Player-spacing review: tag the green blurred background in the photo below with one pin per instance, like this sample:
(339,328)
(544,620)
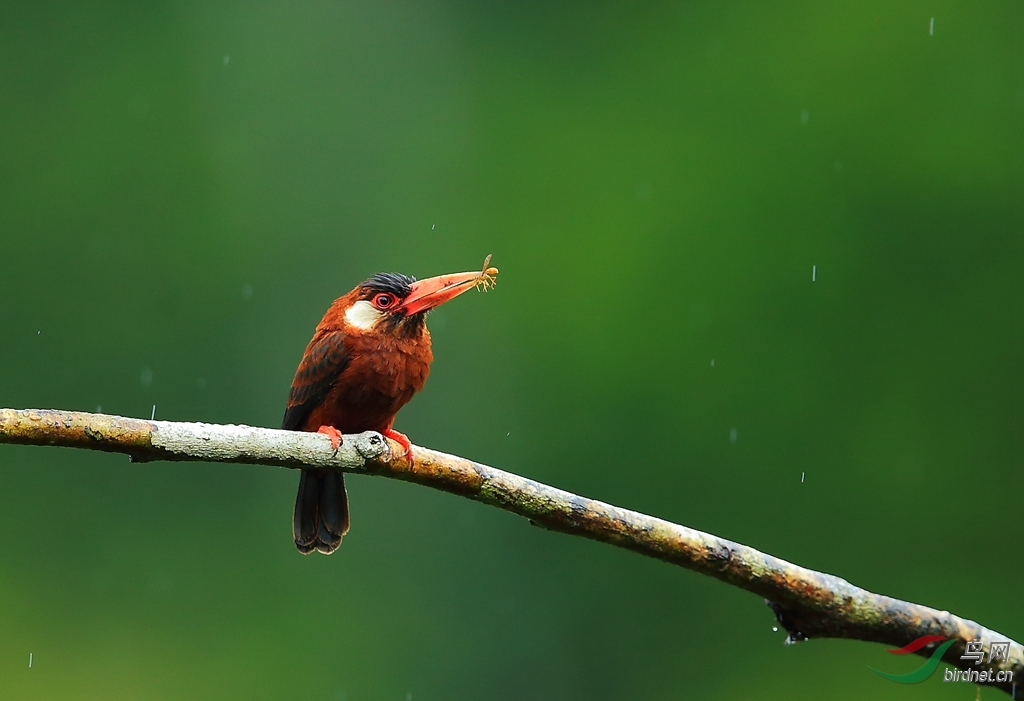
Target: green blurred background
(186,186)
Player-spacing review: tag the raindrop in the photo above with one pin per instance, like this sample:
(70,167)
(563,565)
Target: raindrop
(146,377)
(712,362)
(775,629)
(931,27)
(733,435)
(805,117)
(226,59)
(247,292)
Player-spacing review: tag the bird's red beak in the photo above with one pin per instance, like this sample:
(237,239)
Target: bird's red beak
(435,291)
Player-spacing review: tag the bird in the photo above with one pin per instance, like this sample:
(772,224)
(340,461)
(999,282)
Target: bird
(369,355)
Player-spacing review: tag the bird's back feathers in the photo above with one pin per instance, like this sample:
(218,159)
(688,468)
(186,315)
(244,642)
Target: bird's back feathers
(322,364)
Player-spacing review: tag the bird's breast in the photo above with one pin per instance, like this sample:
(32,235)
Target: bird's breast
(381,378)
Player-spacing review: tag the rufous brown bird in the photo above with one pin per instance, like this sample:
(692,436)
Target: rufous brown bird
(369,355)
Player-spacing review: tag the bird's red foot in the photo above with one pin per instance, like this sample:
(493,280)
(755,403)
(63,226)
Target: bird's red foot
(401,439)
(332,433)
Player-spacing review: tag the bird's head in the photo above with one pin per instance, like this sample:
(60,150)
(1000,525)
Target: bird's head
(398,304)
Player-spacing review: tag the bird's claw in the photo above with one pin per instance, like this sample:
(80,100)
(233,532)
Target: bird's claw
(402,440)
(332,433)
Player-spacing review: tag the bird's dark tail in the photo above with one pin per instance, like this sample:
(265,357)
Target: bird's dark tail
(321,511)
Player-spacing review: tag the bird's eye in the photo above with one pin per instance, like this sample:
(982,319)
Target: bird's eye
(383,301)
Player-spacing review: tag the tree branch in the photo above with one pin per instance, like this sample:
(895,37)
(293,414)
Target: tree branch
(807,604)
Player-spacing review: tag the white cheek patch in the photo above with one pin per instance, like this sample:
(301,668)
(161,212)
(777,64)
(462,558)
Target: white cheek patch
(362,315)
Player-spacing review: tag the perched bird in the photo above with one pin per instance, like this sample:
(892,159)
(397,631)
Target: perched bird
(369,355)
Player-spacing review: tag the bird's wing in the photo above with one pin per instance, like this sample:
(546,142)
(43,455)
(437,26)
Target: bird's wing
(324,360)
